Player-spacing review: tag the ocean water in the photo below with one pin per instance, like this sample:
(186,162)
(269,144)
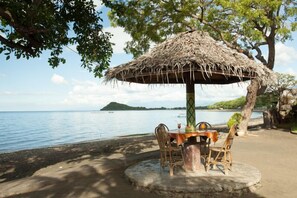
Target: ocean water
(27,130)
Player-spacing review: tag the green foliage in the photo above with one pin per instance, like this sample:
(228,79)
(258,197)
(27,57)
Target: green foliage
(148,21)
(266,100)
(289,125)
(294,128)
(284,81)
(271,96)
(230,104)
(114,106)
(235,119)
(246,24)
(27,28)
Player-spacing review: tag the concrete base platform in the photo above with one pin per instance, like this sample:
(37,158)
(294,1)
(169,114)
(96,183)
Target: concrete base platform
(149,176)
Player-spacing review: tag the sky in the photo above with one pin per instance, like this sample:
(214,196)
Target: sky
(32,85)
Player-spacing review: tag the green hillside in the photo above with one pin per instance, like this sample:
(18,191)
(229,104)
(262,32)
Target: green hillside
(114,106)
(230,104)
(263,101)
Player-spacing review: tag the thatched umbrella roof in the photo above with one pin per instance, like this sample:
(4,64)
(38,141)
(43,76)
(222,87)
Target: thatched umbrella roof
(193,56)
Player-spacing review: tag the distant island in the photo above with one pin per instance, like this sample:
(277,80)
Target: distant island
(262,103)
(114,106)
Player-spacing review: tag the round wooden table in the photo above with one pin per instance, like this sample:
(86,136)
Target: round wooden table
(191,148)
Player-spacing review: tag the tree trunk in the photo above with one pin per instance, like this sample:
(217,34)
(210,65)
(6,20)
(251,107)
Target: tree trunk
(254,88)
(248,108)
(269,118)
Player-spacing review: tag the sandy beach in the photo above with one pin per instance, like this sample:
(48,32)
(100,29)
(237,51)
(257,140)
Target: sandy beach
(96,169)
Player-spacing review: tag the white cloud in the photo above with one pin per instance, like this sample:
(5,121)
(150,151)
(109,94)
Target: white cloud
(99,94)
(285,55)
(89,93)
(6,93)
(290,71)
(209,94)
(98,4)
(21,95)
(57,79)
(119,38)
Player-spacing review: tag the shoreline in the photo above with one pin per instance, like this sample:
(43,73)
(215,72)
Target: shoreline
(26,162)
(96,169)
(18,137)
(254,122)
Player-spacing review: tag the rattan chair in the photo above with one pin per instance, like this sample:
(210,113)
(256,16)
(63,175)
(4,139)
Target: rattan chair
(203,125)
(222,155)
(170,154)
(204,141)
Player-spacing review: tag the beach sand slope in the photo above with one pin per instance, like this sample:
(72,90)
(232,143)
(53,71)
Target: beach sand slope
(96,169)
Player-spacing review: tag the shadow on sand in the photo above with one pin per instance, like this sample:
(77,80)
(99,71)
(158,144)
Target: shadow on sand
(86,180)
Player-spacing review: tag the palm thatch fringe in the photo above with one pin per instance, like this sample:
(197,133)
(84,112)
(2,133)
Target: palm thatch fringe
(191,56)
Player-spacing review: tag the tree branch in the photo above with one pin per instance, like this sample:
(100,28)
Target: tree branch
(228,44)
(206,4)
(26,32)
(174,6)
(15,45)
(259,55)
(258,27)
(6,15)
(20,29)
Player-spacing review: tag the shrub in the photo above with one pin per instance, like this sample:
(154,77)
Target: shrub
(294,128)
(234,119)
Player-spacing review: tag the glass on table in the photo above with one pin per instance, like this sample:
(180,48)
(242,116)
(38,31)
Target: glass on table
(179,126)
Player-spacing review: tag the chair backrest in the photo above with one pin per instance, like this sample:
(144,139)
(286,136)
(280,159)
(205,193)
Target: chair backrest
(203,125)
(162,135)
(229,140)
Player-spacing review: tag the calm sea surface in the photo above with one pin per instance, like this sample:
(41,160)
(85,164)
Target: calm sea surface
(26,130)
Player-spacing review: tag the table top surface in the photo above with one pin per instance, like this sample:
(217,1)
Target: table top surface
(182,131)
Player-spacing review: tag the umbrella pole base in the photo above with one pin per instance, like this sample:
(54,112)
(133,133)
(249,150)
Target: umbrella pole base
(192,155)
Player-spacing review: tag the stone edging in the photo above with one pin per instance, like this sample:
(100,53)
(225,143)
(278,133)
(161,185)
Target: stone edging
(148,176)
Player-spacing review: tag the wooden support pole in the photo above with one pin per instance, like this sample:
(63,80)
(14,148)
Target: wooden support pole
(191,115)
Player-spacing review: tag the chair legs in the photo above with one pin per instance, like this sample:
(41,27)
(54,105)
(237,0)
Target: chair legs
(208,161)
(204,145)
(230,159)
(171,171)
(171,159)
(225,163)
(225,160)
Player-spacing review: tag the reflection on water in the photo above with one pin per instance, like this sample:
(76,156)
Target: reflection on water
(25,130)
